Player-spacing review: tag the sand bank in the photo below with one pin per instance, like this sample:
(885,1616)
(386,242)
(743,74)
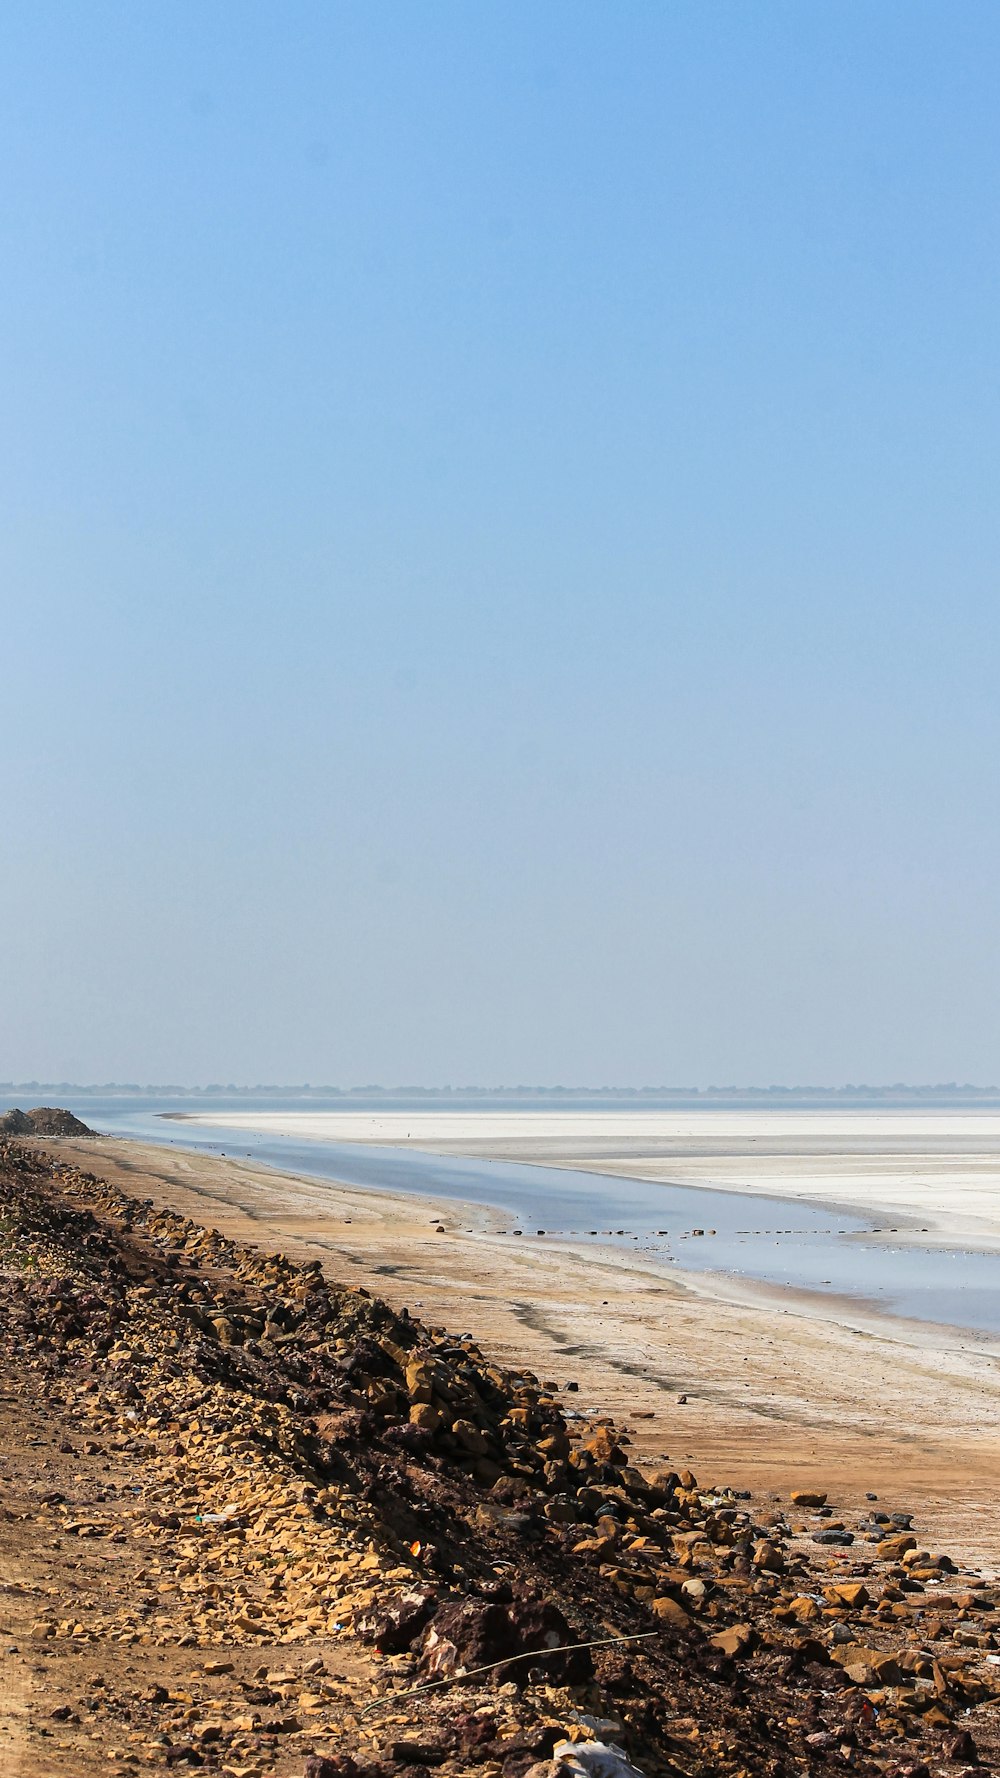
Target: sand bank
(778,1394)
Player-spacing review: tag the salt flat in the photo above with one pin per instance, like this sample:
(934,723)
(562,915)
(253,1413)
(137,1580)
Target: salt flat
(933,1171)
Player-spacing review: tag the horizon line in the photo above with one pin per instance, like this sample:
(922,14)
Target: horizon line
(775,1089)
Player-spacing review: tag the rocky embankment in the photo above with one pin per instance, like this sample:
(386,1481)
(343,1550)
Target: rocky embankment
(255,1522)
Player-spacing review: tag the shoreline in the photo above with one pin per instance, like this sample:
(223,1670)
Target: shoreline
(776,1395)
(929,1175)
(854,1311)
(825,1245)
(855,1314)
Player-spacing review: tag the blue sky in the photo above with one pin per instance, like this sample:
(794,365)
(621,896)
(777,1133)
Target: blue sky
(498,529)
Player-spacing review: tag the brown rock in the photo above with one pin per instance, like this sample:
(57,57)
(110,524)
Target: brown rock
(741,1639)
(419,1381)
(419,1753)
(867,1666)
(469,1437)
(893,1549)
(802,1610)
(852,1593)
(670,1612)
(768,1557)
(555,1446)
(603,1447)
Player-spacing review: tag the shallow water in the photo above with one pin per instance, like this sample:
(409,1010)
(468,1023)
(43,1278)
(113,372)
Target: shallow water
(768,1239)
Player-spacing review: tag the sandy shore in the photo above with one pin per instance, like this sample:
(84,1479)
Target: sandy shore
(778,1395)
(939,1171)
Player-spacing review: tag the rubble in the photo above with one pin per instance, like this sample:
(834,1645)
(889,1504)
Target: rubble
(346,1544)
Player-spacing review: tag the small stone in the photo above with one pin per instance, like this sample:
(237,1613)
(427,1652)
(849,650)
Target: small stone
(469,1437)
(695,1590)
(893,1549)
(741,1639)
(851,1593)
(768,1557)
(670,1612)
(426,1417)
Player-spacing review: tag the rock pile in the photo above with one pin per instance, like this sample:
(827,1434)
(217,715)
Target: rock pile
(44,1120)
(293,1469)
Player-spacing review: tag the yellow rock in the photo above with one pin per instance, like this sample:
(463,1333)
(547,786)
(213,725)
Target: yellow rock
(852,1593)
(419,1381)
(802,1610)
(893,1549)
(769,1557)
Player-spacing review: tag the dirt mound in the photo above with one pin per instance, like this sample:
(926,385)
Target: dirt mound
(279,1460)
(44,1120)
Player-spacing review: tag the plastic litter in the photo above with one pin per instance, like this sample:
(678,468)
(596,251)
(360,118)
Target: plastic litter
(592,1759)
(601,1727)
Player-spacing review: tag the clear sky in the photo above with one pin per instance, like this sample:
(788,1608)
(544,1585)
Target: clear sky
(499,541)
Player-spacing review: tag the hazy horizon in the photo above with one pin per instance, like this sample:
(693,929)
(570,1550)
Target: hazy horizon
(500,542)
(897,1089)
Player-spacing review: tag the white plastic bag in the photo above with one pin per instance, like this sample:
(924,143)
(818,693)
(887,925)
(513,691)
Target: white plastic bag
(591,1759)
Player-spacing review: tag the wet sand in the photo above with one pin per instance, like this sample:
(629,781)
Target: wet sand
(781,1392)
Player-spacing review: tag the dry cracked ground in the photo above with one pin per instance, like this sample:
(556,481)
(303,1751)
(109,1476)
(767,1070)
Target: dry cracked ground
(253,1521)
